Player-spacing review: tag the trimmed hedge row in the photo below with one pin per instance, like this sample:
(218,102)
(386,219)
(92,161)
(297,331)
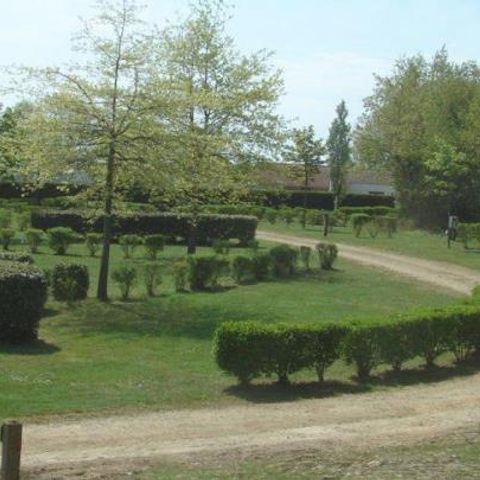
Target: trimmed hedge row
(209,227)
(16,257)
(23,293)
(320,200)
(249,350)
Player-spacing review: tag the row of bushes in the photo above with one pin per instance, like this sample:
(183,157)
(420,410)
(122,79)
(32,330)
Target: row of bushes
(468,232)
(208,227)
(249,350)
(373,224)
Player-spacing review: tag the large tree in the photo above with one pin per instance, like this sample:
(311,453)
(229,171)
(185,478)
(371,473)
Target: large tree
(221,115)
(97,118)
(422,124)
(339,151)
(305,152)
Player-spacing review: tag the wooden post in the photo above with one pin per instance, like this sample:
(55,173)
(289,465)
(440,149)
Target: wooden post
(11,450)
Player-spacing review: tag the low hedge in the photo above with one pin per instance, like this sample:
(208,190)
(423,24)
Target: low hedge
(16,257)
(23,293)
(250,350)
(209,227)
(70,282)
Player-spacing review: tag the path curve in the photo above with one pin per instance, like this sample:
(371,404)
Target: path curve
(441,274)
(395,417)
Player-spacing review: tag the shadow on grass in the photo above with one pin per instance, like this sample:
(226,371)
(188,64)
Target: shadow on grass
(275,392)
(37,347)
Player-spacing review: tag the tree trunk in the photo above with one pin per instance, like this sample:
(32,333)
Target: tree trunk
(192,238)
(102,289)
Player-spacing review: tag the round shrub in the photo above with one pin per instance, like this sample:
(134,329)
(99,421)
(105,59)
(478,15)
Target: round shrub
(23,292)
(180,274)
(242,268)
(284,259)
(154,244)
(129,243)
(126,278)
(305,254)
(93,242)
(152,277)
(359,220)
(327,253)
(204,271)
(261,263)
(70,282)
(34,238)
(60,239)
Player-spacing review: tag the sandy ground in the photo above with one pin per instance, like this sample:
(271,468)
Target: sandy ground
(108,447)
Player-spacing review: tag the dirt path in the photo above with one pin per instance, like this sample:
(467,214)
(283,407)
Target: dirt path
(442,274)
(394,417)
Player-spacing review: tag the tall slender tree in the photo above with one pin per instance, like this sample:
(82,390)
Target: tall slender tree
(96,118)
(339,152)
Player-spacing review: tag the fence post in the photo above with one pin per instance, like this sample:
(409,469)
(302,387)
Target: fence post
(11,435)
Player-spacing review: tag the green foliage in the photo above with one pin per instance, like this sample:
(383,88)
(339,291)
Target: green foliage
(314,217)
(359,220)
(6,218)
(23,221)
(152,277)
(221,247)
(93,242)
(125,277)
(6,237)
(204,272)
(129,243)
(261,263)
(271,215)
(154,244)
(34,238)
(284,260)
(373,228)
(70,282)
(23,292)
(60,239)
(254,245)
(327,253)
(242,268)
(180,271)
(288,215)
(361,347)
(305,255)
(16,257)
(468,232)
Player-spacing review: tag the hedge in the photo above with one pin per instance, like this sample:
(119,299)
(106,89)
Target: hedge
(70,282)
(16,257)
(23,293)
(249,350)
(209,227)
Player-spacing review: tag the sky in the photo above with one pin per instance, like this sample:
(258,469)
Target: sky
(328,50)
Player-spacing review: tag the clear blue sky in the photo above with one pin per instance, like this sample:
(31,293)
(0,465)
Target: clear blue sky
(328,49)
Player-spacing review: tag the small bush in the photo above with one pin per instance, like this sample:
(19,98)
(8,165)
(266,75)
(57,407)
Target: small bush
(288,215)
(180,274)
(284,259)
(5,219)
(6,237)
(373,228)
(387,224)
(34,238)
(242,267)
(254,245)
(327,253)
(152,277)
(23,293)
(61,238)
(314,217)
(23,221)
(70,282)
(261,263)
(93,242)
(204,272)
(221,246)
(129,243)
(305,255)
(125,277)
(359,220)
(154,244)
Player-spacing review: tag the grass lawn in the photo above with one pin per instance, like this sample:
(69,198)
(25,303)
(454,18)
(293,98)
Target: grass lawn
(156,353)
(416,243)
(450,458)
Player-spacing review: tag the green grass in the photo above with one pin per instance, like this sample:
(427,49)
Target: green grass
(156,353)
(449,458)
(416,243)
